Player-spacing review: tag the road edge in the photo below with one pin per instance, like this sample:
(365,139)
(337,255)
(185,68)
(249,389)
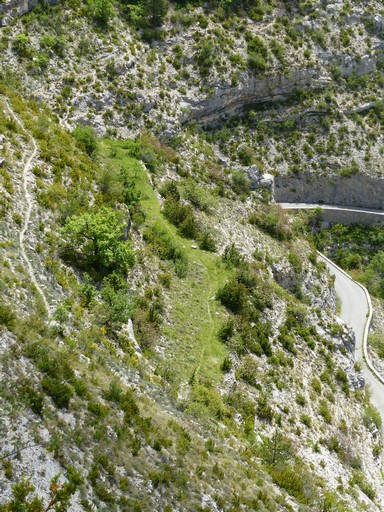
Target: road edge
(368,318)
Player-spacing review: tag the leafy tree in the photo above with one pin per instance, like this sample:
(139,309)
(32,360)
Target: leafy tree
(96,236)
(86,137)
(102,11)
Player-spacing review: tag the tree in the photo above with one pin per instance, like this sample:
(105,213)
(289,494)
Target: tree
(149,13)
(276,449)
(102,11)
(155,11)
(86,136)
(97,237)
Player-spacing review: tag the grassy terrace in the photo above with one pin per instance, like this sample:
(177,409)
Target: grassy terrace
(194,315)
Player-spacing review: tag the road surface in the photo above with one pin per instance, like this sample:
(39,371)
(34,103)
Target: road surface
(306,206)
(354,312)
(354,305)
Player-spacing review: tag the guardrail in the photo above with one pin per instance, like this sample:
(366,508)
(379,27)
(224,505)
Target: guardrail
(368,320)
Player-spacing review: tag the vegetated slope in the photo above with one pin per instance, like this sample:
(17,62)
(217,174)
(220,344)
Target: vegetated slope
(238,389)
(301,83)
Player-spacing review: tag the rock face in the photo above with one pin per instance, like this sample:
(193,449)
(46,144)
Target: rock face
(357,190)
(12,8)
(251,91)
(258,180)
(229,101)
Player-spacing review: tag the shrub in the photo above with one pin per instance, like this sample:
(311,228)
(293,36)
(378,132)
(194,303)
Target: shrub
(300,399)
(371,417)
(341,376)
(227,365)
(306,420)
(273,220)
(207,242)
(165,280)
(101,11)
(34,399)
(86,137)
(247,370)
(240,181)
(21,45)
(226,330)
(189,227)
(316,384)
(232,256)
(170,190)
(263,410)
(60,392)
(182,216)
(325,411)
(204,57)
(256,62)
(7,316)
(198,196)
(97,409)
(233,296)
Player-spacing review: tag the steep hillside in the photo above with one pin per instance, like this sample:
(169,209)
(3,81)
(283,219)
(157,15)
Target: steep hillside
(169,339)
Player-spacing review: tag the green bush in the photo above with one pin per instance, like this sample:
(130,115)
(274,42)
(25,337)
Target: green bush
(204,56)
(33,398)
(263,410)
(162,244)
(325,411)
(102,11)
(233,296)
(371,417)
(247,370)
(7,316)
(232,257)
(227,365)
(97,238)
(273,220)
(60,392)
(21,45)
(182,216)
(54,43)
(240,181)
(207,242)
(226,330)
(86,137)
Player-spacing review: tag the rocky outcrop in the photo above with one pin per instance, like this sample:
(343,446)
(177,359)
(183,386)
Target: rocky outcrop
(12,8)
(252,91)
(357,190)
(229,101)
(258,180)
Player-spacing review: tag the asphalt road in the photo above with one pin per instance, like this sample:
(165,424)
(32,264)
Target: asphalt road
(354,305)
(354,310)
(305,206)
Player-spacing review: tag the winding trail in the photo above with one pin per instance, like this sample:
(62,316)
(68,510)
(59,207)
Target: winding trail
(26,214)
(356,309)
